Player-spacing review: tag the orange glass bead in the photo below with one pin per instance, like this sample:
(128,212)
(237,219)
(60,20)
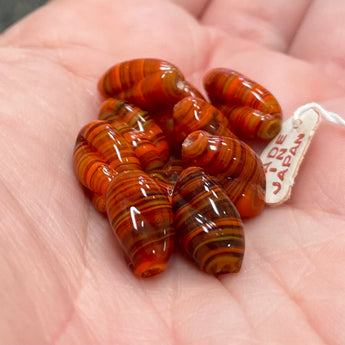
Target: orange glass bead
(207,223)
(155,90)
(148,83)
(125,74)
(142,220)
(114,110)
(125,160)
(234,163)
(191,114)
(234,94)
(249,123)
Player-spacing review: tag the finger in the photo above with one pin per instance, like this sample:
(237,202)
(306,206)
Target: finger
(270,23)
(321,38)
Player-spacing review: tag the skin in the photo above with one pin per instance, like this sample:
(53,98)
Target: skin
(64,280)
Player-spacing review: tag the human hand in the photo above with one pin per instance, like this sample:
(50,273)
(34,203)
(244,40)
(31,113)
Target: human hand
(64,280)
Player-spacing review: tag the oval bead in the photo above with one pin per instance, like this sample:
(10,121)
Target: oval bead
(234,163)
(127,73)
(207,224)
(249,123)
(114,109)
(228,88)
(148,83)
(191,114)
(155,90)
(142,220)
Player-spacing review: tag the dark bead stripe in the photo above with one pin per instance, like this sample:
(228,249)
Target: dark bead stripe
(244,102)
(90,168)
(117,110)
(206,222)
(191,114)
(141,217)
(123,75)
(233,162)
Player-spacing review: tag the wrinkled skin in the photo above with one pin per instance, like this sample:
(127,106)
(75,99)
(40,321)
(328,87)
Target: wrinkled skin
(64,280)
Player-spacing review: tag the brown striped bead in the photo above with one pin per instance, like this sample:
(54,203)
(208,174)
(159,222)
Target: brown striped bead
(155,90)
(114,109)
(228,88)
(142,220)
(148,83)
(234,163)
(249,123)
(101,152)
(207,223)
(191,114)
(125,74)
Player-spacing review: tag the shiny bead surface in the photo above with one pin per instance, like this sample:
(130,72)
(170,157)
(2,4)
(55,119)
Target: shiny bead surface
(191,114)
(142,220)
(155,90)
(234,163)
(148,83)
(114,110)
(229,91)
(142,146)
(101,152)
(127,73)
(164,163)
(208,225)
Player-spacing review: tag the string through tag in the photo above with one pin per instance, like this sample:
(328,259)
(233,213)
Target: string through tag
(283,155)
(327,115)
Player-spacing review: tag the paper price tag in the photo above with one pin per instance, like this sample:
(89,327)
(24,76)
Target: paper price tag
(283,155)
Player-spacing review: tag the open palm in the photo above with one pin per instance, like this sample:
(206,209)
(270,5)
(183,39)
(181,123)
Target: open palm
(64,280)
